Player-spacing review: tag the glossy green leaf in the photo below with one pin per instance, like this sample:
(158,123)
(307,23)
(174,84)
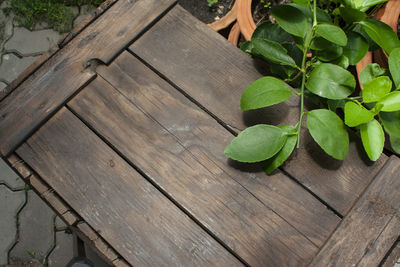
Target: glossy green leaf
(256,143)
(342,61)
(372,46)
(394,66)
(292,20)
(330,53)
(381,33)
(270,31)
(373,139)
(247,47)
(322,16)
(328,130)
(302,2)
(331,33)
(375,89)
(273,51)
(264,92)
(356,48)
(391,123)
(390,102)
(370,72)
(270,165)
(351,14)
(331,81)
(319,43)
(355,114)
(366,4)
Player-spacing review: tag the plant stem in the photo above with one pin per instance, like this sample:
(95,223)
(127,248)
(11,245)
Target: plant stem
(307,45)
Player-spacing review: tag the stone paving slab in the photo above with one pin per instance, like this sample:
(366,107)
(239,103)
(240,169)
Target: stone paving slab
(11,66)
(9,177)
(36,231)
(2,85)
(63,252)
(10,203)
(28,43)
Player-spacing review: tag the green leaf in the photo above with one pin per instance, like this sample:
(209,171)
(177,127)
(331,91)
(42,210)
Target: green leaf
(331,81)
(351,15)
(328,130)
(273,51)
(292,20)
(256,143)
(370,72)
(377,88)
(270,31)
(264,92)
(373,139)
(342,61)
(372,45)
(390,102)
(356,48)
(394,66)
(355,114)
(366,4)
(382,34)
(319,43)
(331,33)
(247,47)
(330,53)
(270,165)
(391,123)
(302,2)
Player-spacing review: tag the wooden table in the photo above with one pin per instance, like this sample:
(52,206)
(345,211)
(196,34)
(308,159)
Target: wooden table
(121,129)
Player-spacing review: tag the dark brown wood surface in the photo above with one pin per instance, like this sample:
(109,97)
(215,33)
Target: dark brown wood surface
(143,225)
(195,181)
(37,98)
(372,226)
(206,139)
(214,73)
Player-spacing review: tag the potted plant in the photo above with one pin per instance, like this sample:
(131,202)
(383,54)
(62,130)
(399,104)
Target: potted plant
(308,52)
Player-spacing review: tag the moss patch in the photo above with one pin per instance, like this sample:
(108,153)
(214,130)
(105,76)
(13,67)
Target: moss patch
(54,12)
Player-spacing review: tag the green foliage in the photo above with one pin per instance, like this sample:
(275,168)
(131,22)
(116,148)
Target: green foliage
(211,2)
(335,42)
(54,12)
(256,143)
(264,92)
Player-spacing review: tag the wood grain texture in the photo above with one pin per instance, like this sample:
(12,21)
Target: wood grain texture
(372,226)
(214,73)
(123,207)
(205,138)
(37,98)
(192,178)
(394,256)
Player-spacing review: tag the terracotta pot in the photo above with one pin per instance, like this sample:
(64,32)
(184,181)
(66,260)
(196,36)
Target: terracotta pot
(226,20)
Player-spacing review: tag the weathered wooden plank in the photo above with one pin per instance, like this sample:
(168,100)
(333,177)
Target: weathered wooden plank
(192,178)
(394,256)
(372,226)
(125,209)
(37,98)
(205,138)
(214,73)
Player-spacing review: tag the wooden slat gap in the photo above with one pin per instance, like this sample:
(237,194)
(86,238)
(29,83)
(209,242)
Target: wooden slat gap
(48,117)
(51,197)
(392,255)
(161,190)
(228,127)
